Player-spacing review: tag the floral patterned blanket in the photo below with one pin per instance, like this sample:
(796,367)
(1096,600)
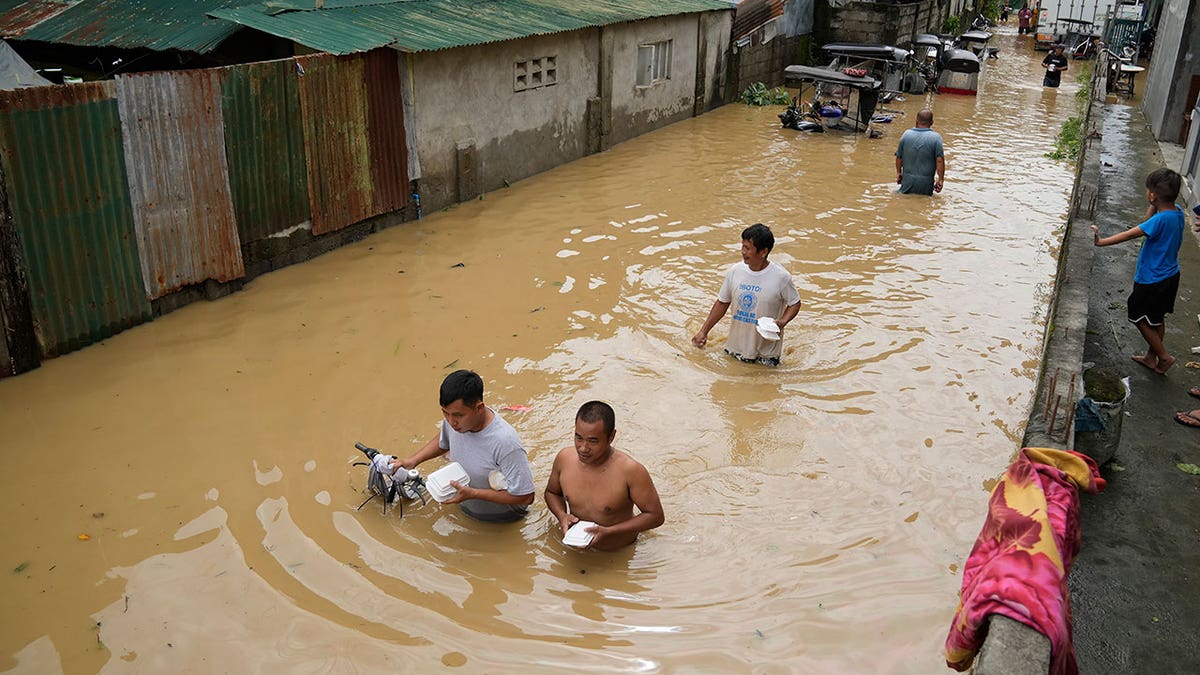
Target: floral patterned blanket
(1019,564)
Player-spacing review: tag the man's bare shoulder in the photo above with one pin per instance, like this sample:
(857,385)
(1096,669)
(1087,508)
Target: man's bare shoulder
(562,455)
(628,464)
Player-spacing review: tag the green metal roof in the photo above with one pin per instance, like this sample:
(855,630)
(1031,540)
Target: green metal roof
(426,25)
(153,24)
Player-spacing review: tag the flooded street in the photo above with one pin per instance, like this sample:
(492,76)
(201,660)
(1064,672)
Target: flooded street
(818,514)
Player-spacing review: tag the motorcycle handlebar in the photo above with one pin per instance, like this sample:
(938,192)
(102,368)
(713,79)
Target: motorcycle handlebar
(369,452)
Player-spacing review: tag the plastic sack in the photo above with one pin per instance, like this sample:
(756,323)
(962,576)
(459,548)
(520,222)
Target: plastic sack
(1088,416)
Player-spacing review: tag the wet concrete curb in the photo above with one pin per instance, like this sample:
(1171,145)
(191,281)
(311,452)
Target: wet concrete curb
(1012,647)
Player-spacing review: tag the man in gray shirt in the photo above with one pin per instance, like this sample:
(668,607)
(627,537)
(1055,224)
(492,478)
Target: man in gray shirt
(920,159)
(487,448)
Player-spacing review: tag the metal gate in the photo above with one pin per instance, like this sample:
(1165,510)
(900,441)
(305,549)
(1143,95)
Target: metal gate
(1121,33)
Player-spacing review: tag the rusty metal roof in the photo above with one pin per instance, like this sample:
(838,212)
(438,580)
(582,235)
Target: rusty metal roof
(427,25)
(338,27)
(18,17)
(130,24)
(752,14)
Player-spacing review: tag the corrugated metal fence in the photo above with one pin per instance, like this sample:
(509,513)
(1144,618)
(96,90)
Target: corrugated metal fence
(174,137)
(123,192)
(67,186)
(332,92)
(264,148)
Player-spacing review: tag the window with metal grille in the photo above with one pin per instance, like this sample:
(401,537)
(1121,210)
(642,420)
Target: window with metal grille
(534,73)
(654,63)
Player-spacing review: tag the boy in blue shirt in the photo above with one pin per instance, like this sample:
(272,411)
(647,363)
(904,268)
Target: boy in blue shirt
(1156,279)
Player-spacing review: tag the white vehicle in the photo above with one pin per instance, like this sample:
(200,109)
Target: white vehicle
(1060,20)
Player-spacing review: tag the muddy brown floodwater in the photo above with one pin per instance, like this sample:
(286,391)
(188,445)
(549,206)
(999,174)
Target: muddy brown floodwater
(818,514)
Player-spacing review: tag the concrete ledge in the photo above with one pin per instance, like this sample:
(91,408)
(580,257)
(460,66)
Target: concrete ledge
(1060,383)
(1012,648)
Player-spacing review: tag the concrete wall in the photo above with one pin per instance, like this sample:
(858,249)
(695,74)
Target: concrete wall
(798,17)
(716,32)
(961,7)
(696,39)
(1175,61)
(882,23)
(473,133)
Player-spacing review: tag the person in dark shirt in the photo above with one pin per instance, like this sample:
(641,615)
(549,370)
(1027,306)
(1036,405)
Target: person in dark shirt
(1055,64)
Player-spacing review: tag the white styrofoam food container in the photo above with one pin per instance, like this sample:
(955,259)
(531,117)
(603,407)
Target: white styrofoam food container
(768,328)
(438,482)
(577,535)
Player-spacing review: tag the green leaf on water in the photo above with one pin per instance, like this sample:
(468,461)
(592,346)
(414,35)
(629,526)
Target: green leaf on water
(20,568)
(1189,468)
(1116,467)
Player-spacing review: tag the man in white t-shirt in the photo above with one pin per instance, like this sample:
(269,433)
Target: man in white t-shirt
(488,449)
(759,288)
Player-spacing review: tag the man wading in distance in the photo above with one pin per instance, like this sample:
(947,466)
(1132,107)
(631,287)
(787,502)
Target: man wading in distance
(762,290)
(920,158)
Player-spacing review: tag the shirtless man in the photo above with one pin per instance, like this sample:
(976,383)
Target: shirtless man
(594,481)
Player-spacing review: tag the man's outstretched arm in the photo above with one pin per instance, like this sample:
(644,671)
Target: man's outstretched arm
(714,315)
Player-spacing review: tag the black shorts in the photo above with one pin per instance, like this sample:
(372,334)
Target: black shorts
(1024,30)
(1153,302)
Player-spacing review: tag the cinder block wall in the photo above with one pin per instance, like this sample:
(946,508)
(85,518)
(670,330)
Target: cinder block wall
(880,23)
(765,62)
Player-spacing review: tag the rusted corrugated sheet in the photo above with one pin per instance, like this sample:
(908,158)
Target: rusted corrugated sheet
(18,19)
(159,25)
(264,143)
(175,152)
(752,14)
(69,196)
(389,152)
(333,99)
(45,98)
